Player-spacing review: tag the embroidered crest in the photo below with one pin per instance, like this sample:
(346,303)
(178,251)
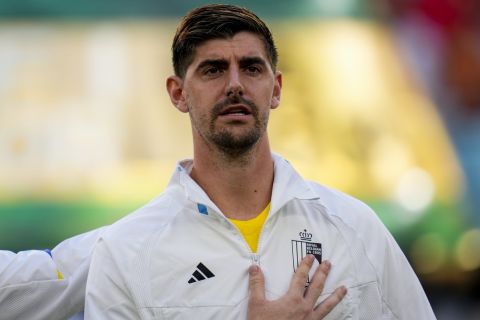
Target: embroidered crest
(304,246)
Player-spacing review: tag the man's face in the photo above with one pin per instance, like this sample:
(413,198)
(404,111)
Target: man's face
(228,90)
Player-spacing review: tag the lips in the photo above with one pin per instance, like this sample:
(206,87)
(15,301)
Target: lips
(240,110)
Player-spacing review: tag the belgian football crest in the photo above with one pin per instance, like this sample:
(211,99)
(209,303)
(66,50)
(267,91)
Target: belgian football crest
(304,246)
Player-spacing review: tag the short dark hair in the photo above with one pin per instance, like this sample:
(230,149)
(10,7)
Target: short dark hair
(216,21)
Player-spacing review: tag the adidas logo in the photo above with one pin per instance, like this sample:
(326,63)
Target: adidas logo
(201,273)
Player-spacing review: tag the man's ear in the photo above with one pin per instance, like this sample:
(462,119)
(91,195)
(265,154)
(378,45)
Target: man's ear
(277,90)
(175,91)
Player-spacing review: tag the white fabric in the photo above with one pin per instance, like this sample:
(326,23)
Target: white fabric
(29,284)
(141,266)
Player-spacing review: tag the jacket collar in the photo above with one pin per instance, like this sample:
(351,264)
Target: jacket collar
(287,185)
(190,189)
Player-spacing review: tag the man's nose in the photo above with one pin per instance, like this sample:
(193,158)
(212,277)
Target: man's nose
(234,85)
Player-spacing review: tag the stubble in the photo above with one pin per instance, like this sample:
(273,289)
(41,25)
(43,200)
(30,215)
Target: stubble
(234,147)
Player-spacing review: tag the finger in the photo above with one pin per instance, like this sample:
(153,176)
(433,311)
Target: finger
(301,275)
(331,302)
(256,283)
(318,281)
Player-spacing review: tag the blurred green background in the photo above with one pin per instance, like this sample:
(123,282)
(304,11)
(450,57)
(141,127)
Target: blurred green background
(380,100)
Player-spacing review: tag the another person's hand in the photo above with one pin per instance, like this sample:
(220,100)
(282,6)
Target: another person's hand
(299,302)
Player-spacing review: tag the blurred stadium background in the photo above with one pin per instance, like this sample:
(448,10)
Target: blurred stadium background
(381,100)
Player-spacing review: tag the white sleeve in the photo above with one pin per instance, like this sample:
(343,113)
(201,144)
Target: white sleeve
(401,290)
(46,285)
(107,296)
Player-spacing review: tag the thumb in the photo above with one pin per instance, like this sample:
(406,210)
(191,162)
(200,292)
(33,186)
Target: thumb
(256,283)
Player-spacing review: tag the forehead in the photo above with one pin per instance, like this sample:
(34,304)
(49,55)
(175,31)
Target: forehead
(242,44)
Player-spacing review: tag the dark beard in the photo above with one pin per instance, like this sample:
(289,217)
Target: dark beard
(233,146)
(226,142)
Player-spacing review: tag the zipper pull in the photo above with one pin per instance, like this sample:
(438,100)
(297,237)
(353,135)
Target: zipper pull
(255,259)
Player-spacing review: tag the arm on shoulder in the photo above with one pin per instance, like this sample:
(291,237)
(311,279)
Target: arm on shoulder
(38,284)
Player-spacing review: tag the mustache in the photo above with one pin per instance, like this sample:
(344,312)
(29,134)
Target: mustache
(233,100)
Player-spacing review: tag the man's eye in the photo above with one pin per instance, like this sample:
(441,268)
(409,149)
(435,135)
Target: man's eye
(253,69)
(212,71)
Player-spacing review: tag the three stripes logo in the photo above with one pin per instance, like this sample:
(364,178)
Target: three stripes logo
(201,273)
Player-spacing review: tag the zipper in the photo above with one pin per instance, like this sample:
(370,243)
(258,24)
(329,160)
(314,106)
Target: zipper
(255,259)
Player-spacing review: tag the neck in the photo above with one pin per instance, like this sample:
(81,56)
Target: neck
(241,187)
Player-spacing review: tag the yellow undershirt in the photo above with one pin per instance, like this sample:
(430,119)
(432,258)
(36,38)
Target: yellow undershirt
(250,229)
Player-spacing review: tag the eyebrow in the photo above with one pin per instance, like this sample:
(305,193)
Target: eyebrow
(218,63)
(222,63)
(248,61)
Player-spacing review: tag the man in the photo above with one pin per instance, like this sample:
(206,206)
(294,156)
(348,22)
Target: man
(236,207)
(50,285)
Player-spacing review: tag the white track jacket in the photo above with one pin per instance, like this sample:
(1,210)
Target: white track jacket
(178,257)
(29,285)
